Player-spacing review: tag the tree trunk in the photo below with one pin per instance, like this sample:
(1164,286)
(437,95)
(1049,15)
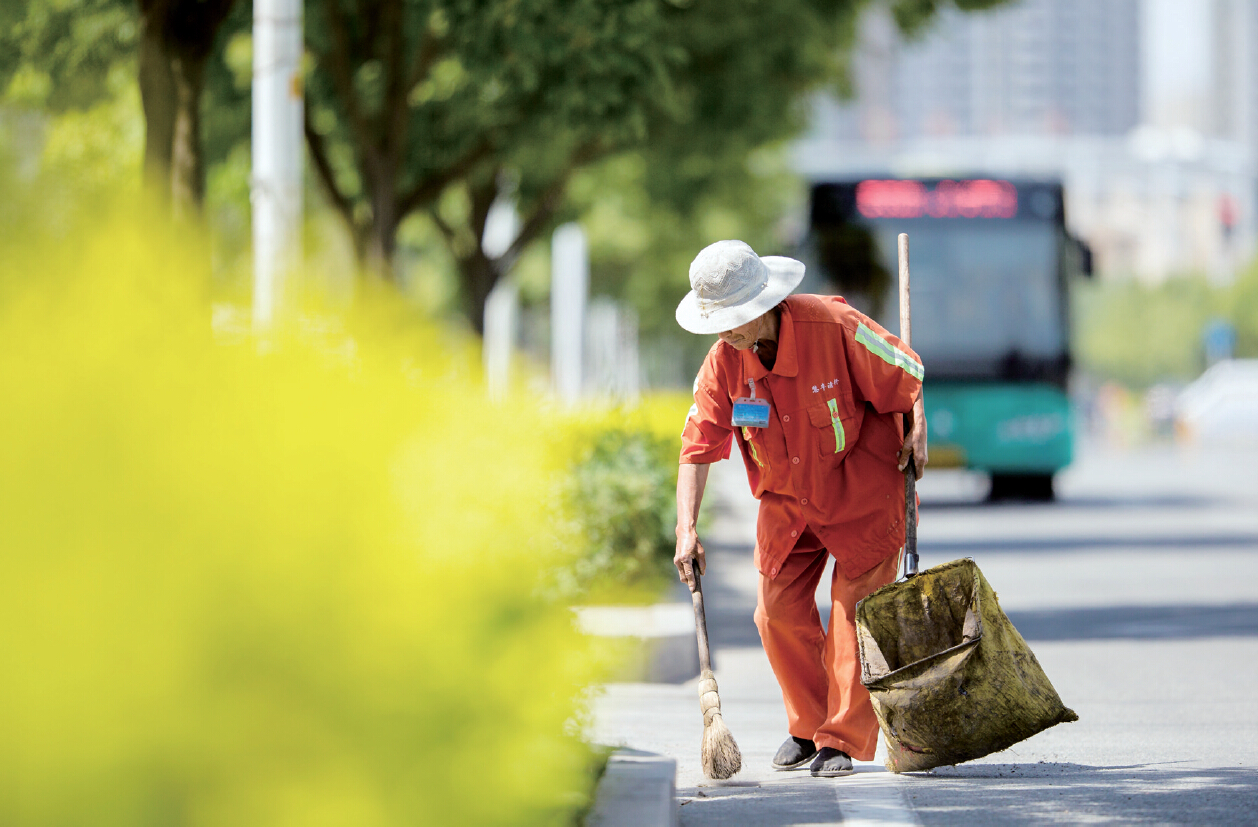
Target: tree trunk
(381,240)
(176,40)
(157,96)
(377,252)
(479,275)
(187,173)
(479,272)
(375,241)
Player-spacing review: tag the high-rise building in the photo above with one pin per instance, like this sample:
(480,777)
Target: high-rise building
(1233,71)
(1146,110)
(1040,67)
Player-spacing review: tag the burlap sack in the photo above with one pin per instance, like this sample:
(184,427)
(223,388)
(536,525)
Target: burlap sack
(950,677)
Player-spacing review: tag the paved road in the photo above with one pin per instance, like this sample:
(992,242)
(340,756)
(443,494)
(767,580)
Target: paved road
(1138,591)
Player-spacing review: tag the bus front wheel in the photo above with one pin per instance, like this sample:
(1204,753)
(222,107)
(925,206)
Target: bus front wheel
(1022,487)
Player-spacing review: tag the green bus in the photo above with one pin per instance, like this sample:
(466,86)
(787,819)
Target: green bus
(991,264)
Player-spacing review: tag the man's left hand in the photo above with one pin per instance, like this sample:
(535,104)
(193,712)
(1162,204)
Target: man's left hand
(915,442)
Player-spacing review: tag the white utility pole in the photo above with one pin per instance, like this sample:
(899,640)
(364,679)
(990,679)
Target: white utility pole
(278,148)
(502,325)
(569,284)
(502,306)
(611,350)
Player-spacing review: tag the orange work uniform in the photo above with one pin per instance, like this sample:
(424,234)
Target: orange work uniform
(824,470)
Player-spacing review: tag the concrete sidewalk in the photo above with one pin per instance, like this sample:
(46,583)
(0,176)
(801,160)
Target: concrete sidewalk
(665,718)
(1138,592)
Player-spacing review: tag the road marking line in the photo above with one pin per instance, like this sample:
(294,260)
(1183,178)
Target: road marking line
(873,798)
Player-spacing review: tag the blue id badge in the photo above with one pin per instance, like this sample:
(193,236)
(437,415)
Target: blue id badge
(750,412)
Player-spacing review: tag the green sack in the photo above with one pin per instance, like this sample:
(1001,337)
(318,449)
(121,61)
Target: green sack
(950,678)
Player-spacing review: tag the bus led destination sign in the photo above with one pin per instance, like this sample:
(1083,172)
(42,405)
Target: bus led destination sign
(946,199)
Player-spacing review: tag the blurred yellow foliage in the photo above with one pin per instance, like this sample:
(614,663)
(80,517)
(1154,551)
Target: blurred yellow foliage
(279,581)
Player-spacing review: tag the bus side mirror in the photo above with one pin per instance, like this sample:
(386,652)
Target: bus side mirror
(1081,254)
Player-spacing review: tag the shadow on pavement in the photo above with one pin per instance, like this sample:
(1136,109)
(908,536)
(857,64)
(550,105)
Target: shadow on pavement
(1043,793)
(730,611)
(736,627)
(730,621)
(1138,622)
(1147,501)
(1049,793)
(965,548)
(1100,503)
(728,628)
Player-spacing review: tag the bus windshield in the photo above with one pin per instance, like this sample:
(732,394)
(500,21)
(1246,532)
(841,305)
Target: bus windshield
(981,289)
(987,294)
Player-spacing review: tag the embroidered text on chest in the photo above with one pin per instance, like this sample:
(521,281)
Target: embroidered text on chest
(825,386)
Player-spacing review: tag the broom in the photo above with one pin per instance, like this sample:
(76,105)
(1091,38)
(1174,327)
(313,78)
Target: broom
(719,754)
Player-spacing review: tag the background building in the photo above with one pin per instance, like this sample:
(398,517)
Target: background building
(1147,111)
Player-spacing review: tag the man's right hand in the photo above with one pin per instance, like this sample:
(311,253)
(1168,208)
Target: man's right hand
(689,550)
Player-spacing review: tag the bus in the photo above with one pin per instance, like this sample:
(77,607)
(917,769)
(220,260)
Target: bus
(992,264)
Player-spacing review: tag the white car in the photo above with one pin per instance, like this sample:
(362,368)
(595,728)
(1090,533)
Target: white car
(1221,405)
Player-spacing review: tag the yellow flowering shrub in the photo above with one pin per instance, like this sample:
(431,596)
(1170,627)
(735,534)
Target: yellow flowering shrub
(287,580)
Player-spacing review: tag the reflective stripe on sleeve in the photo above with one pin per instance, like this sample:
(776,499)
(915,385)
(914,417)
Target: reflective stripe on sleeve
(884,350)
(752,446)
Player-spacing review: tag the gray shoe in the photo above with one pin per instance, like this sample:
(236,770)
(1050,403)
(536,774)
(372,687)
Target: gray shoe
(830,763)
(794,752)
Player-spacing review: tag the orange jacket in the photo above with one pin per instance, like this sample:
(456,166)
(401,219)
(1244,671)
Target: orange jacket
(828,456)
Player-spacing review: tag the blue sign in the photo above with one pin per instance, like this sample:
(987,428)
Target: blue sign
(1219,339)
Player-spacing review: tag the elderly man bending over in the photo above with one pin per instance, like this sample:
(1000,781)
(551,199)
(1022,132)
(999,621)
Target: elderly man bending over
(813,392)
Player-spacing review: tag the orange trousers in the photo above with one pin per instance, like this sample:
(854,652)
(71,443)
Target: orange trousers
(819,671)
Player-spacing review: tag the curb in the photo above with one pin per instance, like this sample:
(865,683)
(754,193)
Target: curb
(658,641)
(637,790)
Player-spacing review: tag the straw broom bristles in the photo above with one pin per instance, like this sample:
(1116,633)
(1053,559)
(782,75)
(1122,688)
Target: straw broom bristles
(719,754)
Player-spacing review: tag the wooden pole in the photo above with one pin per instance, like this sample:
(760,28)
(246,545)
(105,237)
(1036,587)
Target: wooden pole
(910,470)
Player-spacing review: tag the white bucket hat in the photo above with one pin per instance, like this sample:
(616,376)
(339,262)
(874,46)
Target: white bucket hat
(732,285)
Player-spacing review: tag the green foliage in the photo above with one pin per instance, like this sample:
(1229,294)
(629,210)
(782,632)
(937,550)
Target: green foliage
(913,16)
(414,99)
(70,67)
(1140,334)
(226,106)
(622,497)
(98,148)
(641,246)
(60,55)
(714,166)
(436,108)
(618,507)
(278,581)
(409,99)
(1242,310)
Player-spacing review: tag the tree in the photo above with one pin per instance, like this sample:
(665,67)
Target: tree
(442,107)
(411,103)
(408,98)
(57,56)
(175,42)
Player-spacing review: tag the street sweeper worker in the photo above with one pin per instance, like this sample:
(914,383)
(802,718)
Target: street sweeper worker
(813,393)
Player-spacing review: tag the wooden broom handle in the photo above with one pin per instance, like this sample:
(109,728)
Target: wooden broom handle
(910,470)
(701,623)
